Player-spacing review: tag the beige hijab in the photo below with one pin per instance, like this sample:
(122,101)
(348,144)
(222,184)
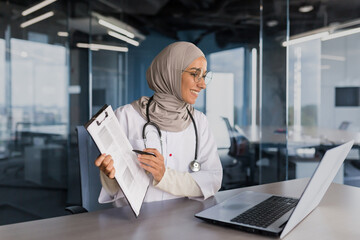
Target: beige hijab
(168,109)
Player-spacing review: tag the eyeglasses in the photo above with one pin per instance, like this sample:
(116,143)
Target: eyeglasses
(198,75)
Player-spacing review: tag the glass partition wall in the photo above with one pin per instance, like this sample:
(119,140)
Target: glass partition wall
(323,107)
(34,106)
(270,130)
(309,88)
(108,62)
(50,82)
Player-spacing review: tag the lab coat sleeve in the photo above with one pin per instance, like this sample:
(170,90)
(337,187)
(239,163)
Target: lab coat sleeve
(178,184)
(110,185)
(209,178)
(110,191)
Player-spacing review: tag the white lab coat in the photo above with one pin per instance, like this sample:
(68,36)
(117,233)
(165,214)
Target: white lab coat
(178,151)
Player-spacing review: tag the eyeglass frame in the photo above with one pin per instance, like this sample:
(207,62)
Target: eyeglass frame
(197,79)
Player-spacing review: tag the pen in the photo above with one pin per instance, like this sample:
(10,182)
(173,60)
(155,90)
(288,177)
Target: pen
(142,152)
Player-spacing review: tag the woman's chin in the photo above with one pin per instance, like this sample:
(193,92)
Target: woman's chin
(191,101)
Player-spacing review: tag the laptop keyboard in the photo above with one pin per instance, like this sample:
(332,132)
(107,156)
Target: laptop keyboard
(266,212)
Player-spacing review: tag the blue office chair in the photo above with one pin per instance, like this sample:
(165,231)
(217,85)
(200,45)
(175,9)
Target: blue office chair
(89,174)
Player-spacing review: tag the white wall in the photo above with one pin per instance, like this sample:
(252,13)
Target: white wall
(340,61)
(220,103)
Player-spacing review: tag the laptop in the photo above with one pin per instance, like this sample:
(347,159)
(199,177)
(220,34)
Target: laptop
(272,215)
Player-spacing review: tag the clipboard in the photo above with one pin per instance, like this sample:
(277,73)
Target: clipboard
(86,125)
(109,137)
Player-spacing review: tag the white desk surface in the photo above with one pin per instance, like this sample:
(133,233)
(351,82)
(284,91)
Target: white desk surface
(303,136)
(337,217)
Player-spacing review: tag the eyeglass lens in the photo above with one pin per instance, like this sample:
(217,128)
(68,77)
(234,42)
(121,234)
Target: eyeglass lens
(199,74)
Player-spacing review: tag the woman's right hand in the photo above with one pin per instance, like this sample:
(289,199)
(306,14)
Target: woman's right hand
(106,164)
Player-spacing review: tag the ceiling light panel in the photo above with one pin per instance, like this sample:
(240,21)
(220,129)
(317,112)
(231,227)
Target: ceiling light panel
(37,7)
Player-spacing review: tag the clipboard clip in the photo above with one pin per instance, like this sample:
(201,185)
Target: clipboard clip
(99,122)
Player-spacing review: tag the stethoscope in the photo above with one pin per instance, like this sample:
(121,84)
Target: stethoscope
(194,166)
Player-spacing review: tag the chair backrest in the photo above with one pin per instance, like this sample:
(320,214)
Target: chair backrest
(89,173)
(344,125)
(238,143)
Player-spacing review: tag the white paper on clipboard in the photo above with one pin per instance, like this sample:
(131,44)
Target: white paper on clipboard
(106,132)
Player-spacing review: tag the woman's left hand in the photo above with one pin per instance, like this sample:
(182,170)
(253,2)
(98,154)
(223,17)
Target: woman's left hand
(153,164)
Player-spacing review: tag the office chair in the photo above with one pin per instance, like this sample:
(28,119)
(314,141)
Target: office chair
(89,174)
(236,164)
(344,125)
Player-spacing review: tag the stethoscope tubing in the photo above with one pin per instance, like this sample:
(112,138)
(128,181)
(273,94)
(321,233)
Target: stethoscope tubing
(194,165)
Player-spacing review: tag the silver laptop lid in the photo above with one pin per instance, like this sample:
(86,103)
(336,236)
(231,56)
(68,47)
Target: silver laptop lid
(318,185)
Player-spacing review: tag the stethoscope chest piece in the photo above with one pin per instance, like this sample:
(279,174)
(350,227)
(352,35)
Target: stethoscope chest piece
(195,166)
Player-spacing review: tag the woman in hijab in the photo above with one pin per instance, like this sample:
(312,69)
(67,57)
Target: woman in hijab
(176,75)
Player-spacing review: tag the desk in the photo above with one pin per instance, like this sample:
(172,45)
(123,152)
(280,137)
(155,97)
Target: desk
(337,217)
(266,139)
(55,129)
(303,137)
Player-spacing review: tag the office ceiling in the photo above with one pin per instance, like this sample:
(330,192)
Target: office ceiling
(232,21)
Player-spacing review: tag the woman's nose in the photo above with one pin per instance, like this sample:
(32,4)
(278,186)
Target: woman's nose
(201,84)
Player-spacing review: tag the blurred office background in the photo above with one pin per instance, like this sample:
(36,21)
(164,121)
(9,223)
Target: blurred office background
(286,86)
